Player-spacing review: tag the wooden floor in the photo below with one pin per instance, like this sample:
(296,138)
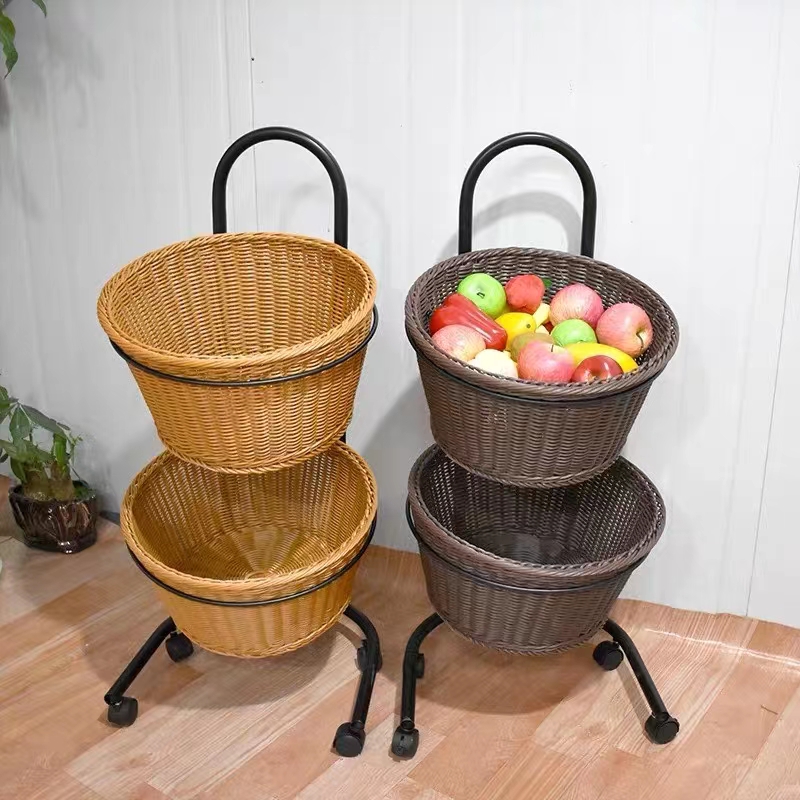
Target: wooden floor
(493,726)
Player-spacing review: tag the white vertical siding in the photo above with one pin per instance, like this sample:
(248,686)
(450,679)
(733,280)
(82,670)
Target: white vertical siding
(112,123)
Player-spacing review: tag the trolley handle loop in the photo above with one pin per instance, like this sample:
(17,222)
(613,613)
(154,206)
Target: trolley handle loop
(515,140)
(218,208)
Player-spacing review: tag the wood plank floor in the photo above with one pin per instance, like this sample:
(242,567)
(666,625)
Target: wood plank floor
(493,725)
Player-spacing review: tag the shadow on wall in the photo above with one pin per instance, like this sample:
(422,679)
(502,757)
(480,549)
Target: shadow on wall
(400,436)
(516,205)
(403,431)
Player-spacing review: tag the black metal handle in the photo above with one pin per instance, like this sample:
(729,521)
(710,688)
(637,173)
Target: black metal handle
(514,140)
(218,208)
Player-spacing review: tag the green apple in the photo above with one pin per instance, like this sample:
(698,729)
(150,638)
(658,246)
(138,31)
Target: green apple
(572,331)
(485,291)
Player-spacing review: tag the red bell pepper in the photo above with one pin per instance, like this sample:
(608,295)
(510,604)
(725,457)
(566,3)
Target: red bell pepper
(459,310)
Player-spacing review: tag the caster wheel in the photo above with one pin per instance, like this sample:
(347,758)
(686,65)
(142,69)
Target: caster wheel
(405,742)
(661,728)
(179,647)
(349,740)
(361,659)
(124,712)
(608,655)
(419,666)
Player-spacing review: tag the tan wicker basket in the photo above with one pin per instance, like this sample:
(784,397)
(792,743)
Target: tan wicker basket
(247,347)
(287,543)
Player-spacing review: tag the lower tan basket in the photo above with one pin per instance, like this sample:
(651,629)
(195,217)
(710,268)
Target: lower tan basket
(252,565)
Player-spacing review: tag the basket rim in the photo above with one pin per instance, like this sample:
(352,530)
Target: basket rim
(421,341)
(178,363)
(524,571)
(297,579)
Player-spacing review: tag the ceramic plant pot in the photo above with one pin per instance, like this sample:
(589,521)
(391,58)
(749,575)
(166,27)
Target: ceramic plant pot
(63,526)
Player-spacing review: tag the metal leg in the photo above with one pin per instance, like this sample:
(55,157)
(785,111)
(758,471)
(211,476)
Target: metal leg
(660,726)
(349,739)
(406,737)
(123,710)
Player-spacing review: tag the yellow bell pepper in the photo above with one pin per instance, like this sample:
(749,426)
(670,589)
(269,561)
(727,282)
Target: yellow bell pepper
(515,323)
(582,350)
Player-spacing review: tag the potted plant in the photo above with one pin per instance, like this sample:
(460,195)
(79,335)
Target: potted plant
(54,511)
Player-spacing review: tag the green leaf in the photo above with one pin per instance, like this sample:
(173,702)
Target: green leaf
(11,449)
(547,283)
(41,5)
(37,418)
(35,454)
(5,403)
(59,451)
(18,470)
(7,34)
(20,425)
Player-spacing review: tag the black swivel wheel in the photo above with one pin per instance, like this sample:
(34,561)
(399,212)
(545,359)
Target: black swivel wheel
(361,657)
(608,655)
(362,661)
(124,712)
(405,742)
(349,740)
(179,647)
(419,665)
(661,728)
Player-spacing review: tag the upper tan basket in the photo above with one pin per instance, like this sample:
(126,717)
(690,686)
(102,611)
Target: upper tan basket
(247,347)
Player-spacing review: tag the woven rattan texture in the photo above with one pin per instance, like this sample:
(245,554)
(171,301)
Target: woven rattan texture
(482,420)
(579,544)
(252,537)
(238,307)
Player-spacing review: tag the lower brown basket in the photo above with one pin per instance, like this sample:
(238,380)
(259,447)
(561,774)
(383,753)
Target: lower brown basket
(529,570)
(252,565)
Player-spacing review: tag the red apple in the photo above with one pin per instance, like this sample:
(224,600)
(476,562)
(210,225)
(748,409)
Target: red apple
(525,293)
(459,341)
(596,368)
(576,301)
(627,327)
(544,362)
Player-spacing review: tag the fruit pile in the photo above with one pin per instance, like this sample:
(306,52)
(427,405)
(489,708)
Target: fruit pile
(508,330)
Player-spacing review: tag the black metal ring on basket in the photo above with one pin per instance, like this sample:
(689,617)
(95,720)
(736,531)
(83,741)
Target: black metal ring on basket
(510,586)
(271,601)
(261,381)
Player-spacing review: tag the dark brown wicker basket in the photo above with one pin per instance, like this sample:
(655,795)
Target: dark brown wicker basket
(521,432)
(529,570)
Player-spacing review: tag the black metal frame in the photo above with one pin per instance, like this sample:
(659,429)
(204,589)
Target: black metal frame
(350,736)
(660,726)
(123,710)
(559,146)
(260,381)
(219,214)
(588,229)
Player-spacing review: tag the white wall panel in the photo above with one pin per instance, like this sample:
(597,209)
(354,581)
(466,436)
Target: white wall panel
(111,126)
(686,111)
(673,105)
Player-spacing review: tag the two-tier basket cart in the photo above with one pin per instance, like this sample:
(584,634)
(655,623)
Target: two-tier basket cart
(529,522)
(248,348)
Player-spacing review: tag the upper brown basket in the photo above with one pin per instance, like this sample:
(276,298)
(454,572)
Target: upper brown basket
(247,347)
(521,432)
